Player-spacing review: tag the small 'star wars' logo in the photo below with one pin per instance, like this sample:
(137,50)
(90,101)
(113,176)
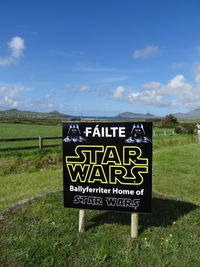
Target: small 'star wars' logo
(74,134)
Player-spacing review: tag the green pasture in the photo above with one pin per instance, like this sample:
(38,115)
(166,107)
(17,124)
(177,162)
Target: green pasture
(177,171)
(11,130)
(20,130)
(26,130)
(44,233)
(21,186)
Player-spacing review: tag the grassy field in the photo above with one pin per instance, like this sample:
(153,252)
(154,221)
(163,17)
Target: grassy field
(177,171)
(11,130)
(25,175)
(20,186)
(43,233)
(17,130)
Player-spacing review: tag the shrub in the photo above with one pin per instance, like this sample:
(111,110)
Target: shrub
(185,128)
(169,121)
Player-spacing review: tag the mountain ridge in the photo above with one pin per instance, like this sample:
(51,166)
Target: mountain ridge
(32,114)
(193,114)
(136,115)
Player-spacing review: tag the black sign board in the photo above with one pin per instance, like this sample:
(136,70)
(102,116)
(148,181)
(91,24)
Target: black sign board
(108,166)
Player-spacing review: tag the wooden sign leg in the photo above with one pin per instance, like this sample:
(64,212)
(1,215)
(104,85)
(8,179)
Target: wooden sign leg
(81,227)
(134,225)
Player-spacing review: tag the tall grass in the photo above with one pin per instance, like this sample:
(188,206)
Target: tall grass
(161,142)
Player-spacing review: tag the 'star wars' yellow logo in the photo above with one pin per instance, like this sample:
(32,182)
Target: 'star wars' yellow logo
(96,163)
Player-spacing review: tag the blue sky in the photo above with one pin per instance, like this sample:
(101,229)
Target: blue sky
(100,58)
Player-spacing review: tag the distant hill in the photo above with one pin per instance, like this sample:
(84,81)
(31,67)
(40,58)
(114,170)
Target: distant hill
(136,115)
(31,114)
(16,113)
(57,113)
(194,114)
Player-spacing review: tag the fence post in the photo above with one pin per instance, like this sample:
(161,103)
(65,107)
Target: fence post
(81,227)
(198,136)
(40,142)
(134,225)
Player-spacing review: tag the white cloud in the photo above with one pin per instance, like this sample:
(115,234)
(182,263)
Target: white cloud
(176,93)
(196,73)
(148,51)
(177,82)
(119,92)
(84,88)
(10,95)
(44,104)
(147,97)
(68,86)
(17,46)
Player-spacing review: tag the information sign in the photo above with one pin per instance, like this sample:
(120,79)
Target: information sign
(108,166)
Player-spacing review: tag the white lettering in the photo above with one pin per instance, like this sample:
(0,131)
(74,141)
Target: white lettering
(122,132)
(88,131)
(96,131)
(105,131)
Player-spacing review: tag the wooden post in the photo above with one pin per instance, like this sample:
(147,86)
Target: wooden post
(81,227)
(40,142)
(198,131)
(134,225)
(199,136)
